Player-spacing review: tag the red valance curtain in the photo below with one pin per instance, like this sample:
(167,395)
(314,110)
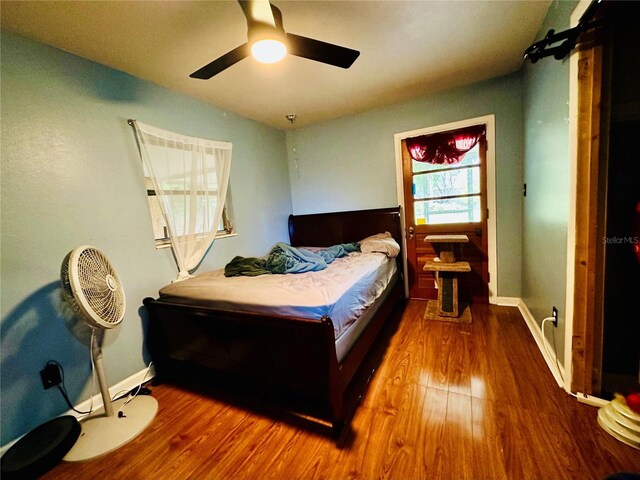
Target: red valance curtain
(445,148)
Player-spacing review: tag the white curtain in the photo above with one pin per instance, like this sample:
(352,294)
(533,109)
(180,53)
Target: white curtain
(190,177)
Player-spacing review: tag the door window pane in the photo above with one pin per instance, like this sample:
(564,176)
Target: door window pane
(471,158)
(451,210)
(460,182)
(447,183)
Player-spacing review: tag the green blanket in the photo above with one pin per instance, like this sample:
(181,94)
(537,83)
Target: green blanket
(284,258)
(247,266)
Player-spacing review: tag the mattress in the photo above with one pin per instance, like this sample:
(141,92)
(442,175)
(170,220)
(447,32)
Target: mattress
(342,291)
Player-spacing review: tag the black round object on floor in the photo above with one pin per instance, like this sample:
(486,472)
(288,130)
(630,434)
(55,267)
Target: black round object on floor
(41,449)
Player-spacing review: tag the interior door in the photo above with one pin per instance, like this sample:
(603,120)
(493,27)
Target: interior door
(447,199)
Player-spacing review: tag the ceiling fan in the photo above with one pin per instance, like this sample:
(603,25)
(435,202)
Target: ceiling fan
(269,43)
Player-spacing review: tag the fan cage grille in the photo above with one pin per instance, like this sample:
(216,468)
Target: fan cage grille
(93,288)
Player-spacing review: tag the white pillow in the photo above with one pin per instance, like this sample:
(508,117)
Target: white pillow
(380,243)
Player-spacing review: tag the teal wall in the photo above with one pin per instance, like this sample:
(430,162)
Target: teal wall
(349,163)
(71,175)
(546,173)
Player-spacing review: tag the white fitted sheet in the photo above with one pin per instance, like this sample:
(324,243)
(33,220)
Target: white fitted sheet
(342,291)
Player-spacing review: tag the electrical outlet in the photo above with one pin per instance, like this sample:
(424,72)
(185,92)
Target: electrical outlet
(554,314)
(50,375)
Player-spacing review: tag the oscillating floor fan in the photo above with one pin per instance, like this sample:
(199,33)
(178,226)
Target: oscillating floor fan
(93,289)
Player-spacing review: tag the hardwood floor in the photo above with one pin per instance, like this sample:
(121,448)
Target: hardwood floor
(449,401)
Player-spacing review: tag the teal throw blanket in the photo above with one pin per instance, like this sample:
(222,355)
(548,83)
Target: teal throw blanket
(284,258)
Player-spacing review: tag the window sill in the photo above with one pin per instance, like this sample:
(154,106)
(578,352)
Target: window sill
(160,244)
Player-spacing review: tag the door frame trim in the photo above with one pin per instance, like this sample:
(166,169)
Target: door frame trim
(489,121)
(571,323)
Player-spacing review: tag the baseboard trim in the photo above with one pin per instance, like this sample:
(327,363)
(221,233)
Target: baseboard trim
(541,341)
(591,400)
(125,385)
(507,301)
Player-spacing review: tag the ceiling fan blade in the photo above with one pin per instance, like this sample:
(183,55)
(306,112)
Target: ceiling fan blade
(319,51)
(222,63)
(258,11)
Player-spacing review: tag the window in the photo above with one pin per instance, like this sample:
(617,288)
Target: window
(160,231)
(189,177)
(177,191)
(446,193)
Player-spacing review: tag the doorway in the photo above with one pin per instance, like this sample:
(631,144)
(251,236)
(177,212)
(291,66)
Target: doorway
(606,269)
(449,196)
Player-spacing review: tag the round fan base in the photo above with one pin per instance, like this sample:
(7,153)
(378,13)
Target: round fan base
(101,434)
(618,420)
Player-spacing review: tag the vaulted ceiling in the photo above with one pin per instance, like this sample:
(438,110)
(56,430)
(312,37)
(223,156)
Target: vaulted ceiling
(408,48)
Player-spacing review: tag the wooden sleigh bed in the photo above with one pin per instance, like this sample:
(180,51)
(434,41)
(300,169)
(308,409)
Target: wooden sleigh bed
(290,357)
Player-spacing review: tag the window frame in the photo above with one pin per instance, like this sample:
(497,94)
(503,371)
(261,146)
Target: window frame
(455,168)
(157,218)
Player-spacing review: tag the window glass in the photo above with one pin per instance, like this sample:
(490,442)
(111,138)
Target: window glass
(451,210)
(179,204)
(447,194)
(471,158)
(447,183)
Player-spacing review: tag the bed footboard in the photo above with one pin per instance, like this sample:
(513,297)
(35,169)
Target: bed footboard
(289,355)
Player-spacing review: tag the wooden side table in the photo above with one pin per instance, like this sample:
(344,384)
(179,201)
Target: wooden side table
(447,308)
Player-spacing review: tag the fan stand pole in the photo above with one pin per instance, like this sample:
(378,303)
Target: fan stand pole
(96,353)
(102,431)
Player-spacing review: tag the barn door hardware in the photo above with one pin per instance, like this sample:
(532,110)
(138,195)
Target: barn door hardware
(569,38)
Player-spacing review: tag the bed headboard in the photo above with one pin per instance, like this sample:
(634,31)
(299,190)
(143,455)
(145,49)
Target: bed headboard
(326,229)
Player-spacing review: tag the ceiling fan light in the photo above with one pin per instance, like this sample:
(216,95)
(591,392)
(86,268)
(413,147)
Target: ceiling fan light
(268,50)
